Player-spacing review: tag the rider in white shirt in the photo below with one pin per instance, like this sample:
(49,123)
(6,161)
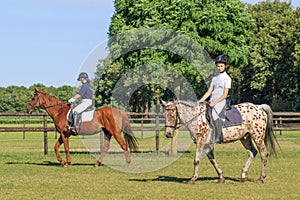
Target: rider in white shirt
(218,92)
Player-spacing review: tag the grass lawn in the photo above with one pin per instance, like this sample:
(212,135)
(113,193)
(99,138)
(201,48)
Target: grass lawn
(25,173)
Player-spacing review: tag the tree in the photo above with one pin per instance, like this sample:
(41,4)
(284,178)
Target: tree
(220,27)
(16,98)
(273,72)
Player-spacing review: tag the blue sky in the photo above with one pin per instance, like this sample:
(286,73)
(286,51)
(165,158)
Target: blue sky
(48,41)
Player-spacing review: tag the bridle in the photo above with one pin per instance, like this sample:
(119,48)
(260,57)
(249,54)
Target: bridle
(178,120)
(33,106)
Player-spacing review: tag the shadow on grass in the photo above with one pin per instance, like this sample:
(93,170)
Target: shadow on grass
(182,180)
(49,163)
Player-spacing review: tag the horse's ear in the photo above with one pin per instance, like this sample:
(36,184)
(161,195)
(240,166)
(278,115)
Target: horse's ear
(163,102)
(36,90)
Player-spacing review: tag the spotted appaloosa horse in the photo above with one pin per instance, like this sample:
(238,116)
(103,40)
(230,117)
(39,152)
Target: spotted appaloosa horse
(111,120)
(256,126)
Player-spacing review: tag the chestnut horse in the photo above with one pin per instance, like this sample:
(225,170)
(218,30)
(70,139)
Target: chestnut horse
(111,120)
(256,126)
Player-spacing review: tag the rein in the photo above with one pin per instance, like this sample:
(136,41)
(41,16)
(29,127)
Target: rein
(176,126)
(38,101)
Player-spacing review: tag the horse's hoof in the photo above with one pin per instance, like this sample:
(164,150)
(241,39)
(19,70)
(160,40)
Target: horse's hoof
(66,165)
(191,182)
(97,164)
(62,163)
(244,179)
(221,180)
(259,181)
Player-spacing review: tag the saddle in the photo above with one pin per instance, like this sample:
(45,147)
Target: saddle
(233,117)
(86,122)
(85,116)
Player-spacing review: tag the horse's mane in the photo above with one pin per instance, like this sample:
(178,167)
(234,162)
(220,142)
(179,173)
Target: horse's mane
(52,99)
(188,103)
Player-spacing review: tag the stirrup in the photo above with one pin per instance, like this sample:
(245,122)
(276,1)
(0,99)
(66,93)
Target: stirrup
(72,128)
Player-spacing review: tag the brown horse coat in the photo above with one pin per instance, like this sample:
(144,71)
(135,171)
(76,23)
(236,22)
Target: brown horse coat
(111,120)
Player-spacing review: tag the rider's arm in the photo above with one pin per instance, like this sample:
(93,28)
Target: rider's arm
(207,94)
(74,98)
(221,98)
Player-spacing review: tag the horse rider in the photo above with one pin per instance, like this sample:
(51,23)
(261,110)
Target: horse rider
(85,94)
(218,92)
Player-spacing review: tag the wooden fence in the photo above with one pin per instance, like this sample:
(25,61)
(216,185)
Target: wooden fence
(283,121)
(147,122)
(286,121)
(24,129)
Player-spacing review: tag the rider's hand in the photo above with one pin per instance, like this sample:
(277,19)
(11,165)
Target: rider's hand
(212,104)
(72,100)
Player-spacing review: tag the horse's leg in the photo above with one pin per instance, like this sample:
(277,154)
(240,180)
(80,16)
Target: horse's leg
(198,156)
(264,157)
(65,139)
(213,161)
(123,145)
(56,149)
(105,147)
(247,143)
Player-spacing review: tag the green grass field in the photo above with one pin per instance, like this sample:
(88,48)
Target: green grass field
(25,173)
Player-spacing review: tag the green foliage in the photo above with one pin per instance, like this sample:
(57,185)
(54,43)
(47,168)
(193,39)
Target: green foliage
(13,99)
(168,34)
(273,72)
(16,98)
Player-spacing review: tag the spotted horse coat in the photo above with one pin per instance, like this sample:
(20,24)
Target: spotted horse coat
(256,126)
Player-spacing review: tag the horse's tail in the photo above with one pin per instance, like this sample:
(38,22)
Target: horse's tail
(270,137)
(130,140)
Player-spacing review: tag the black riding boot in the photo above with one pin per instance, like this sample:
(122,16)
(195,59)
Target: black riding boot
(217,135)
(73,123)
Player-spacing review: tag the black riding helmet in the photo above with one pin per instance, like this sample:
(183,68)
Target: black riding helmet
(221,59)
(83,75)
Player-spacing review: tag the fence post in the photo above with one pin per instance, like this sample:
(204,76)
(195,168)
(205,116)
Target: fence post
(280,124)
(45,135)
(174,139)
(142,125)
(173,151)
(24,122)
(157,128)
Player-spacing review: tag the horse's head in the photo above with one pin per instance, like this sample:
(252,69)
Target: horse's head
(35,102)
(172,118)
(42,99)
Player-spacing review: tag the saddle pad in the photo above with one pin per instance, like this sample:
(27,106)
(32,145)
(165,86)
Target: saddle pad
(233,117)
(86,116)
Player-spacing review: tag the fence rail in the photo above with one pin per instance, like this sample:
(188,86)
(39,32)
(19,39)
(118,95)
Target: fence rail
(283,121)
(286,121)
(23,129)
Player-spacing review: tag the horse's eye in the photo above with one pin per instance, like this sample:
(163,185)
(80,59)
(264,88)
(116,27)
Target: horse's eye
(32,99)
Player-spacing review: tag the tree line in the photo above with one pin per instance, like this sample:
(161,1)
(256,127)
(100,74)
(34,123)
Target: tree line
(16,98)
(262,42)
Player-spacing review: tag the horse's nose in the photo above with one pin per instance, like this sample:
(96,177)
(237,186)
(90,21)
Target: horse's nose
(29,110)
(168,134)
